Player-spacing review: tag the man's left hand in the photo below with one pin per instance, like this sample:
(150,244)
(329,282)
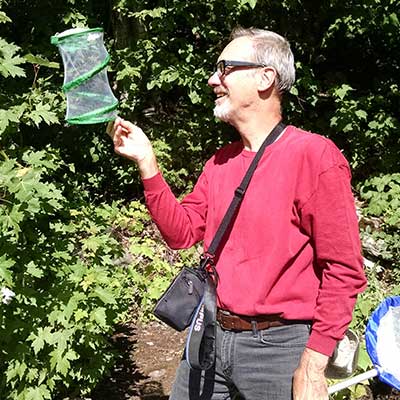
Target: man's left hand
(309,381)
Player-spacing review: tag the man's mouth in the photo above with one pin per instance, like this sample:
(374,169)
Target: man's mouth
(220,95)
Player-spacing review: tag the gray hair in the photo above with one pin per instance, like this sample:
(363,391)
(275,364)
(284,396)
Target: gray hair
(273,50)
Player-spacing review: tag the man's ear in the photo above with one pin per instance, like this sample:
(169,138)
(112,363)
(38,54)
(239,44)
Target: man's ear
(266,78)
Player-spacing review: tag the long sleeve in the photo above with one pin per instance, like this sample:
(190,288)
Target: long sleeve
(181,224)
(329,218)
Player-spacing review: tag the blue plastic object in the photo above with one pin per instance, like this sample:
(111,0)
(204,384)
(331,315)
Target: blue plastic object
(375,339)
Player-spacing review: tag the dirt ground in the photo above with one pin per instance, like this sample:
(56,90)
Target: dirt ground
(149,356)
(146,370)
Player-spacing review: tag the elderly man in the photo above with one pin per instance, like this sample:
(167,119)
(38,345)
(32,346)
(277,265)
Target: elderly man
(292,255)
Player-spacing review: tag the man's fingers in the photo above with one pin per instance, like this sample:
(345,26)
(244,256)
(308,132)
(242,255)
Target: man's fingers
(128,126)
(117,141)
(113,126)
(119,133)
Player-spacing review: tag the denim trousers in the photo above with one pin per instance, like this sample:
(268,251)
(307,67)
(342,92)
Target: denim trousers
(250,365)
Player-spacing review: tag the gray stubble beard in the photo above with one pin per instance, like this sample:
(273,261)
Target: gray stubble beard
(222,111)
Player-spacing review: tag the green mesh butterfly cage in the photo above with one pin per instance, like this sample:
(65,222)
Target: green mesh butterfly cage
(89,97)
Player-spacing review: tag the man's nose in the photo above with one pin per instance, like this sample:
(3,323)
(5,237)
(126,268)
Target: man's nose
(214,80)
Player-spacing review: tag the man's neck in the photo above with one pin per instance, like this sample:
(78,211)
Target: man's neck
(254,131)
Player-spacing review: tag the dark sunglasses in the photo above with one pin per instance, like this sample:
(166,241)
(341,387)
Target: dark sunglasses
(221,65)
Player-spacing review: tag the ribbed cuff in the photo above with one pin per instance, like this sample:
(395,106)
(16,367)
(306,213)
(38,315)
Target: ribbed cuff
(154,184)
(321,344)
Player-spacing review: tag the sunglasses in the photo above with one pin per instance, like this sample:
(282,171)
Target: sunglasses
(221,65)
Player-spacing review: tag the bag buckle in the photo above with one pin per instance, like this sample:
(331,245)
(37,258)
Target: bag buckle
(205,260)
(208,267)
(239,192)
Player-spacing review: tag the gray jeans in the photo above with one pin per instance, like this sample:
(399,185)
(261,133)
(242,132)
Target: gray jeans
(249,365)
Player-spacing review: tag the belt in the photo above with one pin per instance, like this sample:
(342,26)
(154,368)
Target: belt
(234,322)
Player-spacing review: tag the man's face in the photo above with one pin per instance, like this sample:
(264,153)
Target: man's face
(236,89)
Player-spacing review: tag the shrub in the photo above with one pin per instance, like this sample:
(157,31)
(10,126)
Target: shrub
(56,256)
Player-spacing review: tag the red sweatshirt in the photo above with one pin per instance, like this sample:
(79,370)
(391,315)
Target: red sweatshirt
(294,248)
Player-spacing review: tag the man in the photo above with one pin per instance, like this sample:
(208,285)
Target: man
(290,268)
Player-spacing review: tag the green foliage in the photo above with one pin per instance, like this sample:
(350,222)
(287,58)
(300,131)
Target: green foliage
(4,18)
(9,60)
(68,294)
(383,196)
(382,238)
(57,251)
(76,244)
(152,266)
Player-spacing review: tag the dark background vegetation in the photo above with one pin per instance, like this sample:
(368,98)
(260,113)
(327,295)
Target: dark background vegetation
(76,244)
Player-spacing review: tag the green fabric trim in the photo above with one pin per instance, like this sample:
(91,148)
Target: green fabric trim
(94,117)
(86,76)
(72,121)
(57,39)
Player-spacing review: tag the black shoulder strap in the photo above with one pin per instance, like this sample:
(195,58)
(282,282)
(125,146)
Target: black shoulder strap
(241,190)
(200,343)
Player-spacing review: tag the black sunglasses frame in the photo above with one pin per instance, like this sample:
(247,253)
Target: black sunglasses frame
(221,65)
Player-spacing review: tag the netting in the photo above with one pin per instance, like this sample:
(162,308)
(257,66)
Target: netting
(85,59)
(382,339)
